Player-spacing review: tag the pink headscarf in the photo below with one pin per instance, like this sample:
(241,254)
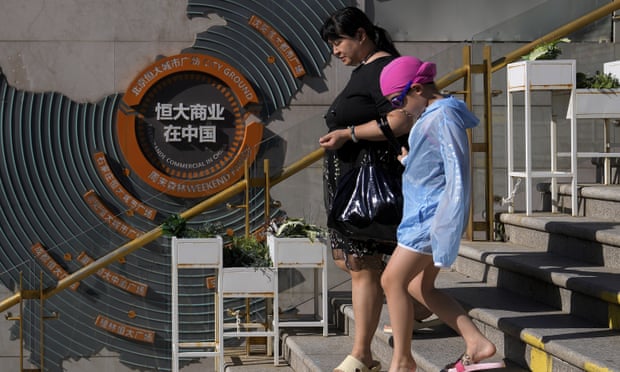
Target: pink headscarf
(400,71)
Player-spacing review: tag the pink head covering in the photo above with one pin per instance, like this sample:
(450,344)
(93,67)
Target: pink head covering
(400,71)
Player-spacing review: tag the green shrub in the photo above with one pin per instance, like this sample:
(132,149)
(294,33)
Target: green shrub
(598,81)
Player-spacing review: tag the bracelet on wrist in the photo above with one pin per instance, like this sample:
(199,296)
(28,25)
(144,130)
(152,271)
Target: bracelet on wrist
(353,138)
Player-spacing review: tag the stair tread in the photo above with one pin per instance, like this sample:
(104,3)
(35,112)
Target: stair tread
(569,337)
(564,335)
(596,191)
(595,280)
(585,227)
(432,349)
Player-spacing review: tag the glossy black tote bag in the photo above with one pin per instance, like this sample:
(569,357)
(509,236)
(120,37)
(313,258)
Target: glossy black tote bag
(368,203)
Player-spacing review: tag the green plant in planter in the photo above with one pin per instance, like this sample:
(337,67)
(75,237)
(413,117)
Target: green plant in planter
(174,225)
(246,251)
(239,251)
(296,228)
(206,230)
(550,50)
(598,81)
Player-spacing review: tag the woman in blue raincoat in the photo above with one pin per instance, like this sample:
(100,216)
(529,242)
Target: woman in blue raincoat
(436,192)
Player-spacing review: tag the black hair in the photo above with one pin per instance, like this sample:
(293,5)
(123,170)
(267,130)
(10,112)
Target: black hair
(347,21)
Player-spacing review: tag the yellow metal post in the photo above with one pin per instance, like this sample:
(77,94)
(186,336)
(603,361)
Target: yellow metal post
(267,192)
(488,116)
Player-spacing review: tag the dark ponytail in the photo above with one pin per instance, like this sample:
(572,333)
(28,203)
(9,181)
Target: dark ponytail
(383,41)
(347,21)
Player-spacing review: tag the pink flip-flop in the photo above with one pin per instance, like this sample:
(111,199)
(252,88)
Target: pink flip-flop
(461,366)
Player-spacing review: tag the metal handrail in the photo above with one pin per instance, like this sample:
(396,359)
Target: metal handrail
(301,164)
(556,34)
(155,233)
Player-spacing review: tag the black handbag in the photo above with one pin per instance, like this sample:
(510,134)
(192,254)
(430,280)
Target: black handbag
(368,202)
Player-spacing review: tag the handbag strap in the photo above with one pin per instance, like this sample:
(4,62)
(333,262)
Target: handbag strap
(387,132)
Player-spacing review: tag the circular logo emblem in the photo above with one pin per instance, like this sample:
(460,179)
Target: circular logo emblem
(184,136)
(183,128)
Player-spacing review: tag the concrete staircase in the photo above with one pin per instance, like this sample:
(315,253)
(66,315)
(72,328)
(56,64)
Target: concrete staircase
(548,296)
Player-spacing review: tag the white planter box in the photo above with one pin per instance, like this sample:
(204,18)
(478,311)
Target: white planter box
(298,253)
(541,75)
(198,252)
(253,282)
(233,282)
(248,282)
(291,252)
(596,103)
(613,68)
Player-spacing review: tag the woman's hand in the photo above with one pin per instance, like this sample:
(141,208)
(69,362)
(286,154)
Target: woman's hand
(335,139)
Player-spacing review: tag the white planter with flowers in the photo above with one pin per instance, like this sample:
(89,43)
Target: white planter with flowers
(298,245)
(199,249)
(601,101)
(598,95)
(256,280)
(296,252)
(192,254)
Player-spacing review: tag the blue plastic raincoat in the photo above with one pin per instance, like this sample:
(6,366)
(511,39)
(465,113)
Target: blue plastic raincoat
(437,182)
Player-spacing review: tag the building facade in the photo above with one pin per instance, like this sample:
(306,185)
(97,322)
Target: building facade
(116,114)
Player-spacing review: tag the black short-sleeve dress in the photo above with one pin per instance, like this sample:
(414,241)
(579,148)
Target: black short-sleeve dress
(359,102)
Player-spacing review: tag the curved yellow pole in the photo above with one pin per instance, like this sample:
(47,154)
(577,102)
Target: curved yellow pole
(155,233)
(556,34)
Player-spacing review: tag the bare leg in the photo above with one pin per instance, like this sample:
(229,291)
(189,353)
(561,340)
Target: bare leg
(411,275)
(478,347)
(367,302)
(367,298)
(400,271)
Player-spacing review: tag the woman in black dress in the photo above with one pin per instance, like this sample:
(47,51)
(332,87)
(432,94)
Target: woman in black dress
(356,41)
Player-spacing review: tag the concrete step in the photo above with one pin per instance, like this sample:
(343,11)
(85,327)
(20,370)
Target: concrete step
(572,286)
(313,353)
(549,298)
(433,347)
(599,201)
(589,239)
(528,334)
(535,335)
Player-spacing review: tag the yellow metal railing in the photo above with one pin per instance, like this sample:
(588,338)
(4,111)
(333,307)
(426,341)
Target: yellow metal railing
(155,233)
(556,34)
(309,159)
